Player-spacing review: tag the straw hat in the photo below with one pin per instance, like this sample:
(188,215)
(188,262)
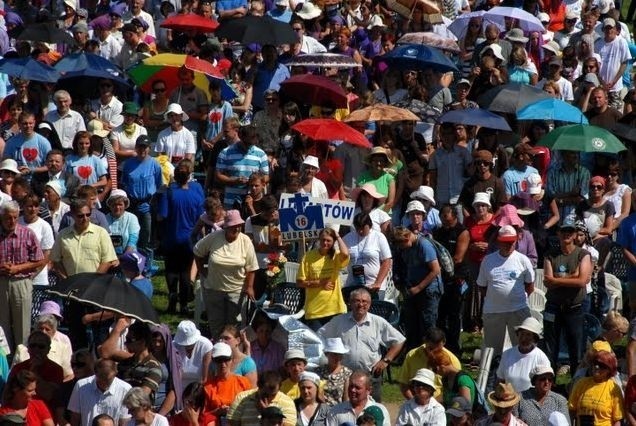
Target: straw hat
(503,396)
(378,150)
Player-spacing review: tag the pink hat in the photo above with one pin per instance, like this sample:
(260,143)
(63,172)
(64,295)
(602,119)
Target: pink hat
(508,216)
(51,308)
(232,218)
(369,188)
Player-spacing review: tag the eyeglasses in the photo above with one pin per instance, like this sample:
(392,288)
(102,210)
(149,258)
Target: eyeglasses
(222,360)
(38,345)
(599,187)
(614,174)
(482,163)
(159,89)
(82,215)
(297,29)
(600,366)
(547,378)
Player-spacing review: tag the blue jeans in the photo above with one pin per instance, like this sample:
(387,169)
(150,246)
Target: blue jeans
(566,318)
(420,312)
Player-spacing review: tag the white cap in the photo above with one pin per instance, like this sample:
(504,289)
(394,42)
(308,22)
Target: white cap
(483,198)
(426,376)
(176,109)
(534,184)
(295,354)
(415,206)
(424,192)
(312,377)
(221,350)
(540,370)
(187,334)
(543,17)
(532,325)
(604,6)
(310,160)
(334,345)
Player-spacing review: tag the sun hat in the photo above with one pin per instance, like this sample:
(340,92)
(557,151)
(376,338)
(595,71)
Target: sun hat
(221,350)
(334,345)
(534,184)
(292,354)
(71,3)
(552,46)
(272,412)
(9,164)
(464,81)
(175,109)
(508,216)
(503,396)
(140,22)
(482,155)
(130,108)
(51,308)
(555,61)
(590,77)
(101,23)
(525,203)
(312,377)
(544,18)
(540,370)
(187,334)
(232,218)
(375,412)
(142,140)
(424,192)
(133,261)
(532,325)
(482,198)
(369,188)
(459,406)
(568,223)
(56,186)
(80,27)
(426,376)
(495,49)
(312,161)
(82,13)
(516,34)
(96,127)
(415,206)
(557,418)
(117,193)
(309,11)
(507,234)
(378,150)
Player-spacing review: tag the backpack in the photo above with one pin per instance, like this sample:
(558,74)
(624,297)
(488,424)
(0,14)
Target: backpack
(480,405)
(444,258)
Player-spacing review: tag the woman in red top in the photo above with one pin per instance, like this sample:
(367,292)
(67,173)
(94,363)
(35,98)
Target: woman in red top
(478,225)
(18,399)
(192,413)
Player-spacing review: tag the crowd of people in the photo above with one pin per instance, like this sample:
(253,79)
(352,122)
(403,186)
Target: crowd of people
(465,229)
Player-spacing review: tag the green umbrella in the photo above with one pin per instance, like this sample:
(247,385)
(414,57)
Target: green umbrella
(582,137)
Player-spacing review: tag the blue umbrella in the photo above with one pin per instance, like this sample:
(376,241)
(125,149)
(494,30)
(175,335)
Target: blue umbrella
(82,61)
(419,57)
(29,69)
(475,117)
(552,109)
(81,73)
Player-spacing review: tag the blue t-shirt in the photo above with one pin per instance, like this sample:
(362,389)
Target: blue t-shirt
(28,152)
(626,238)
(181,209)
(516,181)
(417,258)
(140,180)
(222,5)
(144,285)
(88,168)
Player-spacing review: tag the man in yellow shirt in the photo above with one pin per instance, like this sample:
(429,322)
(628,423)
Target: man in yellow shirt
(295,364)
(421,357)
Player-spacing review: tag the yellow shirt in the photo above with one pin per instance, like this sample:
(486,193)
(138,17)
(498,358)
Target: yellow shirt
(83,252)
(244,412)
(416,359)
(292,390)
(602,400)
(320,303)
(228,263)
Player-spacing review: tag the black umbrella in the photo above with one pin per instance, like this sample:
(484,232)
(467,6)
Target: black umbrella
(109,293)
(510,97)
(47,33)
(255,29)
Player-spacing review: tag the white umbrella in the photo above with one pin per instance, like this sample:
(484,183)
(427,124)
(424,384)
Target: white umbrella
(324,60)
(524,20)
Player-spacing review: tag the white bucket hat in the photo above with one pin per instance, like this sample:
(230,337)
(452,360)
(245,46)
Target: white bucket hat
(309,11)
(295,354)
(415,206)
(187,334)
(9,164)
(426,376)
(532,325)
(176,109)
(334,345)
(312,161)
(482,198)
(424,192)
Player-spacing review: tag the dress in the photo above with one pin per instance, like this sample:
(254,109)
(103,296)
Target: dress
(532,413)
(334,383)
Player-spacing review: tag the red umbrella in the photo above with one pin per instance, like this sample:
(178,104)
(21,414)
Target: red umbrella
(328,129)
(190,22)
(314,90)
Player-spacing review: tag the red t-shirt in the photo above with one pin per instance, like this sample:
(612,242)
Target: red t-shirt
(49,371)
(205,419)
(35,415)
(477,234)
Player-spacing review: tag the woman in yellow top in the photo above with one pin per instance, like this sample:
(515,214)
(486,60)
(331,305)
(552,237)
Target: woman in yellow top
(319,275)
(598,400)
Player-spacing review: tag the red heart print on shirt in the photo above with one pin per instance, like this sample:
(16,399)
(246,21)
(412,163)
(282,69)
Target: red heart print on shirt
(84,171)
(215,117)
(30,154)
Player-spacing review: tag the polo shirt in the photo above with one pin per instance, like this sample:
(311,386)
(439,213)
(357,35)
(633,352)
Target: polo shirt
(234,161)
(83,252)
(416,359)
(66,126)
(221,392)
(111,112)
(244,411)
(343,413)
(89,401)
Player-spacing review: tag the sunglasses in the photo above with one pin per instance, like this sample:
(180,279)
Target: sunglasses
(78,364)
(612,174)
(222,360)
(38,345)
(482,163)
(596,186)
(159,89)
(547,377)
(80,216)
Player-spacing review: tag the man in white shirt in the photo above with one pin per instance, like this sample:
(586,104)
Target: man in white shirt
(359,392)
(109,46)
(308,44)
(554,74)
(614,54)
(135,11)
(66,121)
(107,108)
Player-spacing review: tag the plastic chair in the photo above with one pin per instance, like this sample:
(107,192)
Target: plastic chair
(39,295)
(287,298)
(537,300)
(616,263)
(538,280)
(291,270)
(387,310)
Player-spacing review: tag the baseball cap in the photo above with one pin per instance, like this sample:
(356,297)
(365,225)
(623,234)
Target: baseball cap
(142,140)
(609,22)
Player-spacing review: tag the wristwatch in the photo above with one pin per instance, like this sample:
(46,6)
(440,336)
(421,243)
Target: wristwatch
(388,361)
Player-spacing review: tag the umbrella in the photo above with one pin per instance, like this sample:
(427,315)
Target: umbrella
(552,109)
(460,24)
(324,60)
(107,292)
(328,129)
(29,69)
(81,73)
(81,61)
(431,11)
(476,117)
(190,22)
(47,33)
(582,137)
(382,112)
(624,131)
(314,90)
(430,39)
(256,29)
(524,20)
(510,97)
(425,112)
(418,57)
(165,66)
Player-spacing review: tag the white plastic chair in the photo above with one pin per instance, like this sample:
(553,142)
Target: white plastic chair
(538,280)
(484,368)
(537,300)
(291,270)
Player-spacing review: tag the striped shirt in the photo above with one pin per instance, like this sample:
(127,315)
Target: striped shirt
(243,410)
(18,247)
(146,372)
(561,181)
(234,162)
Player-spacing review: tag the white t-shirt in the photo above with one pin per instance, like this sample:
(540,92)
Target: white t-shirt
(378,217)
(515,367)
(192,368)
(565,87)
(158,420)
(44,233)
(505,278)
(368,251)
(613,54)
(176,143)
(318,189)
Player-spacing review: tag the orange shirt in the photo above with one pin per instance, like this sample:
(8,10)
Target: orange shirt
(221,392)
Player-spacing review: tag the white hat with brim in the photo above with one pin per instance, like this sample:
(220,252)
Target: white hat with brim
(221,350)
(187,334)
(552,46)
(309,11)
(482,198)
(495,49)
(295,354)
(532,325)
(96,127)
(369,188)
(516,35)
(176,109)
(312,161)
(56,186)
(9,164)
(540,370)
(415,206)
(334,345)
(425,376)
(424,192)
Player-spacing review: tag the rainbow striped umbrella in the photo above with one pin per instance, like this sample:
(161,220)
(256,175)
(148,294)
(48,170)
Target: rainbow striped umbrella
(165,66)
